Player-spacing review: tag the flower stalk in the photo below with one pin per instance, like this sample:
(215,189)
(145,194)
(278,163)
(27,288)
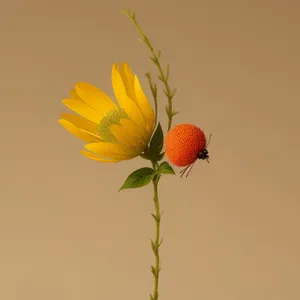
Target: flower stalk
(157,242)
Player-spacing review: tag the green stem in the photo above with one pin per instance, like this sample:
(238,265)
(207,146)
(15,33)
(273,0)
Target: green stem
(157,242)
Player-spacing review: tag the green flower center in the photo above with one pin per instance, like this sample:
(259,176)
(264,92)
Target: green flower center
(113,117)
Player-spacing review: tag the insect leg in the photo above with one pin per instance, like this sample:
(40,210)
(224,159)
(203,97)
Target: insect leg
(208,140)
(190,169)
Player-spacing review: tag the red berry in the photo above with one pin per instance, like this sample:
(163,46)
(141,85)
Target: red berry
(183,143)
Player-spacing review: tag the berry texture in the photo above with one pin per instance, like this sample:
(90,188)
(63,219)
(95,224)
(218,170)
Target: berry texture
(183,143)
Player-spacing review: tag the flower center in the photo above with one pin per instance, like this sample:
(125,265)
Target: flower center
(113,117)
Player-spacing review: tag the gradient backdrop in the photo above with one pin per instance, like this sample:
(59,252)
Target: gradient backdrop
(231,230)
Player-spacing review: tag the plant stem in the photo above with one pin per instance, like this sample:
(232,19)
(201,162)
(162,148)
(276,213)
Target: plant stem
(157,242)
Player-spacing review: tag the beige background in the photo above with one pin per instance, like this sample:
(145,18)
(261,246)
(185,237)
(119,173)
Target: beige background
(231,230)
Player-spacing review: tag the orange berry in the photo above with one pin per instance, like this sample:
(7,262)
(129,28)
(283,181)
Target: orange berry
(184,143)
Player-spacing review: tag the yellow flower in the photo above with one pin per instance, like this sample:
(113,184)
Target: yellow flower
(114,132)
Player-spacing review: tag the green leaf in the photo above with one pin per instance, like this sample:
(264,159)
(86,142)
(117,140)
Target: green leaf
(157,142)
(154,217)
(173,93)
(161,241)
(159,52)
(153,271)
(138,178)
(165,168)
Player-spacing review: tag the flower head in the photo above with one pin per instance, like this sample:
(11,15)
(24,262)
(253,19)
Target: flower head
(113,131)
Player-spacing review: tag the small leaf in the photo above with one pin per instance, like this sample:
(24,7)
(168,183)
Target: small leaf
(174,113)
(159,54)
(165,168)
(160,243)
(157,142)
(173,93)
(154,217)
(138,178)
(154,59)
(153,271)
(160,78)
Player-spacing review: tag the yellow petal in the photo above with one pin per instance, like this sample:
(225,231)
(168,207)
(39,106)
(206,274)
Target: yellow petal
(134,129)
(127,77)
(95,98)
(74,95)
(82,109)
(128,133)
(110,150)
(144,104)
(125,102)
(77,132)
(134,91)
(82,124)
(97,158)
